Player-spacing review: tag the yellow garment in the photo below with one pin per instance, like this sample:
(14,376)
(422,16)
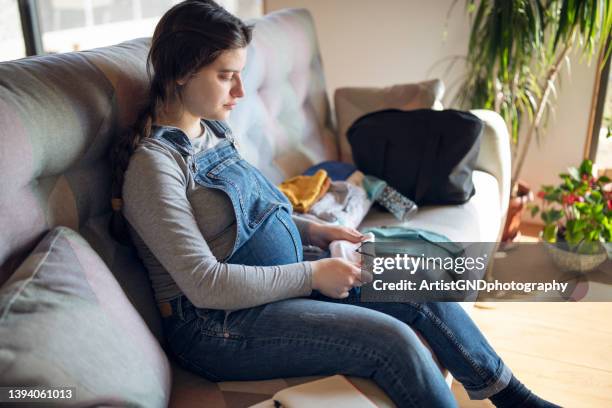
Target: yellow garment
(304,191)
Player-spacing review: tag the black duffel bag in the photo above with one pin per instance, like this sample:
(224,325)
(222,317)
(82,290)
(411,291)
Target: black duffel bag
(425,154)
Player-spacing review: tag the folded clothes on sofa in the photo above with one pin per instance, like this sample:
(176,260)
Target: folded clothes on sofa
(407,234)
(344,204)
(314,196)
(332,208)
(304,191)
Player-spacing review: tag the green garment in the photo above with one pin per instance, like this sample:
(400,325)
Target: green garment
(418,239)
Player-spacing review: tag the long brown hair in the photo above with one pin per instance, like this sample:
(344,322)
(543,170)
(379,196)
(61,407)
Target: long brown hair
(191,35)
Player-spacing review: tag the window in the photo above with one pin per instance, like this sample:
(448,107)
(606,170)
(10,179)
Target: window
(54,26)
(73,25)
(603,155)
(599,145)
(12,45)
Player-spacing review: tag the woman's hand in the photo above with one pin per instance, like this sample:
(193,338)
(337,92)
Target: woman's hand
(322,234)
(334,277)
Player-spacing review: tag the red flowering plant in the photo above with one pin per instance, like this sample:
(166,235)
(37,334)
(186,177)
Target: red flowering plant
(578,212)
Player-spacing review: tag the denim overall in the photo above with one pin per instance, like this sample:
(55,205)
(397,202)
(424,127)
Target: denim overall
(316,335)
(266,234)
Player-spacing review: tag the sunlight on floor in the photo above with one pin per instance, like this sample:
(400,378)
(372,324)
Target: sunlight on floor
(562,351)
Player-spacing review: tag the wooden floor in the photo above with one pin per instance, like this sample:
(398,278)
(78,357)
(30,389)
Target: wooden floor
(562,351)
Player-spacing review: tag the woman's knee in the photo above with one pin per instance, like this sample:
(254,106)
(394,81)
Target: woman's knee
(402,365)
(368,332)
(390,338)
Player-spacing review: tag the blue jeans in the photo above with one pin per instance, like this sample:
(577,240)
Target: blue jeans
(323,336)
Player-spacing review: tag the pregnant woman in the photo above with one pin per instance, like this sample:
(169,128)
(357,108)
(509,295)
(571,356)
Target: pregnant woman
(224,253)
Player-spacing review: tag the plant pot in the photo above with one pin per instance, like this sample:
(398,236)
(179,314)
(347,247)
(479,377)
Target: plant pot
(569,261)
(518,202)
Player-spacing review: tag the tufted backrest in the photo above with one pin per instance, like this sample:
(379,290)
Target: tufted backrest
(59,114)
(283,124)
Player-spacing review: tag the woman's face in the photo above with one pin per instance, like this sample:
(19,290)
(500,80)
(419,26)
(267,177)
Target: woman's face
(213,91)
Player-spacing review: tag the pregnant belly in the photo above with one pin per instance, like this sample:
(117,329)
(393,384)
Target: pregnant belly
(276,242)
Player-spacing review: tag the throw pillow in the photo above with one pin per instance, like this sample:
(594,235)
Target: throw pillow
(65,322)
(352,103)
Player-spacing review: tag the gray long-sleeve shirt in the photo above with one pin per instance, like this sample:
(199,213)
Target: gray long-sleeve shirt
(182,229)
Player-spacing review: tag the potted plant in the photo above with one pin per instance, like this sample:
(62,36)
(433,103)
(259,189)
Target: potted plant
(516,51)
(577,217)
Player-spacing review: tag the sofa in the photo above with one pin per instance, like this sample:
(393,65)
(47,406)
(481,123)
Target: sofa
(76,307)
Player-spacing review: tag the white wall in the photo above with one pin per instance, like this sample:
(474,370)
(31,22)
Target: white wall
(384,42)
(379,43)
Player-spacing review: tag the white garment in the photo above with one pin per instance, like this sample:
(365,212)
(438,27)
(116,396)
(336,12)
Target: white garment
(344,204)
(349,251)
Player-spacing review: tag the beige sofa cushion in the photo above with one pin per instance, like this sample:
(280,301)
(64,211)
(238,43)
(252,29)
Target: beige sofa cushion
(478,220)
(352,103)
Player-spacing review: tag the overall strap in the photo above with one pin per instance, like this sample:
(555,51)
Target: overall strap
(174,138)
(219,128)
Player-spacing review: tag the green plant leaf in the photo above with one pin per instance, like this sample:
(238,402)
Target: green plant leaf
(579,225)
(550,233)
(586,167)
(555,215)
(517,50)
(568,182)
(554,196)
(583,208)
(595,196)
(607,230)
(571,226)
(574,238)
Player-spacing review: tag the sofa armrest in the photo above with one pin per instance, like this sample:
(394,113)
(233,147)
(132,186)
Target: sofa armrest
(494,157)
